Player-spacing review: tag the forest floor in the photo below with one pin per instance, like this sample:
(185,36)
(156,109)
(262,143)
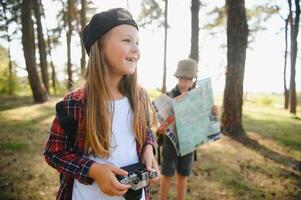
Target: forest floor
(264,164)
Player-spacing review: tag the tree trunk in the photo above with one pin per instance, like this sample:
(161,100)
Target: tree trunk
(194,49)
(41,45)
(163,89)
(294,49)
(286,91)
(83,24)
(69,35)
(39,94)
(53,74)
(237,41)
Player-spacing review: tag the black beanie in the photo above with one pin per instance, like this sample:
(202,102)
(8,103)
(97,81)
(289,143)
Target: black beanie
(104,21)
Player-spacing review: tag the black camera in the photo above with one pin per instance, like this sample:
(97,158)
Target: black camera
(138,177)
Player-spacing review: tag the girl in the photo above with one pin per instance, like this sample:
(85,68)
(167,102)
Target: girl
(113,115)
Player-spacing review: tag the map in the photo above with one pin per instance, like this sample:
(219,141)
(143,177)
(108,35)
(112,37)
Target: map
(193,122)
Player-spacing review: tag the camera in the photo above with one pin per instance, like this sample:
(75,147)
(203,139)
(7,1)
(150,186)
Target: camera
(138,177)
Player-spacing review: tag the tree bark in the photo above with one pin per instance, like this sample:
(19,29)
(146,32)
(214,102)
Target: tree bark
(163,89)
(53,73)
(39,93)
(83,24)
(286,91)
(41,45)
(294,49)
(237,40)
(194,48)
(69,36)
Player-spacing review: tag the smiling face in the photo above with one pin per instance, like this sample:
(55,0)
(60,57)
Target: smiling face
(121,51)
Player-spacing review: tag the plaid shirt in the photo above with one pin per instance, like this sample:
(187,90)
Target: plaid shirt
(73,165)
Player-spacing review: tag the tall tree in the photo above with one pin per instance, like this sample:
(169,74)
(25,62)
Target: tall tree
(194,48)
(163,89)
(39,93)
(49,47)
(41,44)
(69,15)
(68,20)
(294,27)
(237,40)
(286,90)
(83,24)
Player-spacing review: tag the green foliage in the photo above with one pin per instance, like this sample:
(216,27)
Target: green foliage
(271,100)
(151,11)
(256,17)
(219,20)
(153,93)
(5,80)
(266,100)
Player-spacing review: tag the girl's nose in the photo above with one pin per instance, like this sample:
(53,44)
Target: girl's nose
(135,48)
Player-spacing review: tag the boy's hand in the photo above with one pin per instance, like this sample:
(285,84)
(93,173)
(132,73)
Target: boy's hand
(214,110)
(149,160)
(105,177)
(162,128)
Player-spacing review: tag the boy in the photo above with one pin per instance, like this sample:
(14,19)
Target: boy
(185,73)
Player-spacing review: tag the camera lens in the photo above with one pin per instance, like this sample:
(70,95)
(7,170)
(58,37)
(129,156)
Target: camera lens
(152,174)
(125,180)
(135,180)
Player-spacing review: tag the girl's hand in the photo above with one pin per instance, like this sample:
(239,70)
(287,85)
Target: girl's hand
(150,162)
(105,177)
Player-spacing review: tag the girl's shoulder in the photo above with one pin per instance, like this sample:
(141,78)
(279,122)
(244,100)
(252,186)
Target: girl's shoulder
(74,100)
(77,95)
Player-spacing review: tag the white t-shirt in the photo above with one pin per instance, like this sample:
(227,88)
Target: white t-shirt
(122,152)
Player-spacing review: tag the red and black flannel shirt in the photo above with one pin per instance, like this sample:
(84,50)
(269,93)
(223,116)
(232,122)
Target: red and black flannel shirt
(73,165)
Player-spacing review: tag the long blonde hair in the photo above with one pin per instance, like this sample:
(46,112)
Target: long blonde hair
(98,111)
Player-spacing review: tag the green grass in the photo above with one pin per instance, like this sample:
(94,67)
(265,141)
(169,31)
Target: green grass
(261,167)
(13,146)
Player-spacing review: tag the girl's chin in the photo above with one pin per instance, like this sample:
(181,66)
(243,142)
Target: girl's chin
(131,72)
(132,68)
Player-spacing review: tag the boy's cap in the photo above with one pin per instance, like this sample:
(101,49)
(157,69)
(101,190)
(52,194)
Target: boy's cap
(187,68)
(104,21)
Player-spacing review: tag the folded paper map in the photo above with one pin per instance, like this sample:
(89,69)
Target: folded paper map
(188,119)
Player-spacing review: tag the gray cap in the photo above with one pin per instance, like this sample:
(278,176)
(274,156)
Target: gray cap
(187,68)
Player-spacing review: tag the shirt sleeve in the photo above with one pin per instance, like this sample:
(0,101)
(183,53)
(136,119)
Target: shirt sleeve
(67,162)
(150,140)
